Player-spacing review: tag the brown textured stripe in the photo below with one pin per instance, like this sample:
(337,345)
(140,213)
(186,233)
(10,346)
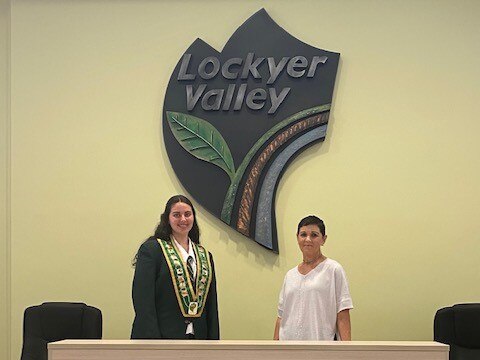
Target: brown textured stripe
(248,194)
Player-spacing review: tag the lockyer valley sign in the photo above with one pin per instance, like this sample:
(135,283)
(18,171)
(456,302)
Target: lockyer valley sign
(233,120)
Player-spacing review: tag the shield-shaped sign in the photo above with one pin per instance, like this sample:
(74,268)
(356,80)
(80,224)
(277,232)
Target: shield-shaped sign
(233,120)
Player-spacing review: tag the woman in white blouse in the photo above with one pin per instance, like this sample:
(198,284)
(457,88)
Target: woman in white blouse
(314,302)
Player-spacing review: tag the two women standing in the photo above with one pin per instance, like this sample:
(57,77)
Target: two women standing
(174,287)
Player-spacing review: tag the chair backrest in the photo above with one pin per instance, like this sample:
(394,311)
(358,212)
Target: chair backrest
(459,327)
(54,321)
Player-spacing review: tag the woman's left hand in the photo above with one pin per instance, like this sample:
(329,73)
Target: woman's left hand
(343,325)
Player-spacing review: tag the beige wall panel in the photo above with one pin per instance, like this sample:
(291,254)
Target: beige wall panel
(396,180)
(4,175)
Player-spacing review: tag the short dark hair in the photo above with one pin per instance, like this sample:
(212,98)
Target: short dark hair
(164,230)
(312,220)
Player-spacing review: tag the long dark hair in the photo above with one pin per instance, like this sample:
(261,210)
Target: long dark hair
(164,230)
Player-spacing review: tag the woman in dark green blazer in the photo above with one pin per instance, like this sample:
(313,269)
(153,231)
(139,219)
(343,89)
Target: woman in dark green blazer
(174,286)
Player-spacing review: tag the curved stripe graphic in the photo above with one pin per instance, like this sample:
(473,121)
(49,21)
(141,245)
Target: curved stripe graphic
(232,190)
(247,200)
(263,225)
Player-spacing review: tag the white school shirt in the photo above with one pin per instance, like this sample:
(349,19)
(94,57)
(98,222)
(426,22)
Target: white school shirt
(185,256)
(308,304)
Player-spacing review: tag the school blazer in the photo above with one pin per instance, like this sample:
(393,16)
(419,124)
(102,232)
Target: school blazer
(157,313)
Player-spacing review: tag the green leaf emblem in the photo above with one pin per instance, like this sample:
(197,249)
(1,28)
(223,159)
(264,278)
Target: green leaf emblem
(202,140)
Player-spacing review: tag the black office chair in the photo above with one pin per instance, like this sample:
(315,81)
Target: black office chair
(459,327)
(54,321)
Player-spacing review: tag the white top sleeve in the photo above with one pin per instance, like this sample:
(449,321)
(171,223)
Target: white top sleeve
(342,293)
(280,300)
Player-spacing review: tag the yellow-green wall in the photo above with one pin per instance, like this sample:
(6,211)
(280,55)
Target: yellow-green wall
(396,179)
(4,173)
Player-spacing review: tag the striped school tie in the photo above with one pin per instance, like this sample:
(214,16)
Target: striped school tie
(191,273)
